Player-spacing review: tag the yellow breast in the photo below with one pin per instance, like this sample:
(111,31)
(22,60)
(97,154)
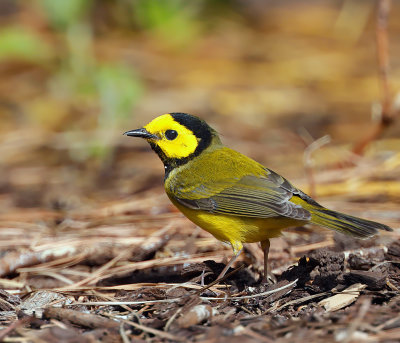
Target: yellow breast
(234,229)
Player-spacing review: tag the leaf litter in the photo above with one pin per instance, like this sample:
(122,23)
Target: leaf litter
(129,274)
(135,268)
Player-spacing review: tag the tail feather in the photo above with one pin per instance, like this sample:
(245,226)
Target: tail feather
(346,224)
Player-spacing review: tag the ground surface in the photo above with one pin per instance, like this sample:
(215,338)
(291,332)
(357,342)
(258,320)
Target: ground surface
(135,269)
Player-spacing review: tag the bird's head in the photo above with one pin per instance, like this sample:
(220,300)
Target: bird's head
(177,137)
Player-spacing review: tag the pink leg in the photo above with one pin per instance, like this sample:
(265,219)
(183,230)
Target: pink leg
(265,247)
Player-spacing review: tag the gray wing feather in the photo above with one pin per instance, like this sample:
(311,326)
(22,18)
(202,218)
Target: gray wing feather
(253,196)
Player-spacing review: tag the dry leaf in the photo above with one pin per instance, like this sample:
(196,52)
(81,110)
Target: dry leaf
(343,299)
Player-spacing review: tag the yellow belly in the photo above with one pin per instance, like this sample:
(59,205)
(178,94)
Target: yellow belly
(236,229)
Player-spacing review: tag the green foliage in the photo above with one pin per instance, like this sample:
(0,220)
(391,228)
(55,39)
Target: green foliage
(119,89)
(19,43)
(63,13)
(84,78)
(174,21)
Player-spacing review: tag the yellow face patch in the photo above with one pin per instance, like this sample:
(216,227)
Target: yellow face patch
(182,146)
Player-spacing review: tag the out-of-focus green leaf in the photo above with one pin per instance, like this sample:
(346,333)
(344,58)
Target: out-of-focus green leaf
(19,43)
(63,13)
(119,89)
(174,20)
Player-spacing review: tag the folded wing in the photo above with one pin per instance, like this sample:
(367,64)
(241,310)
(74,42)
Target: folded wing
(265,196)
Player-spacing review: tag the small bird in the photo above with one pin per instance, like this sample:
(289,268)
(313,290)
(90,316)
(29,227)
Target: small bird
(231,196)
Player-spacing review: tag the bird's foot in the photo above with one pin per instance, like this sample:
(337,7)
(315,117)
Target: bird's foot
(269,279)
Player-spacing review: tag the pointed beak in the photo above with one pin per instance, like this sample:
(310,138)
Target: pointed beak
(142,133)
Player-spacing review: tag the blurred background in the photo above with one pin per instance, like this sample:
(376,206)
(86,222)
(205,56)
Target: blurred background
(294,84)
(271,76)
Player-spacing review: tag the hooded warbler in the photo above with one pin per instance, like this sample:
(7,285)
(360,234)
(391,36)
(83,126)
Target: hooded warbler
(228,194)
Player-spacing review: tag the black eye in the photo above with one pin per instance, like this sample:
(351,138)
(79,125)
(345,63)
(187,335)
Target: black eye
(171,134)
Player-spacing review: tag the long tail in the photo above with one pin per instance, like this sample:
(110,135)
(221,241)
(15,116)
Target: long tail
(346,224)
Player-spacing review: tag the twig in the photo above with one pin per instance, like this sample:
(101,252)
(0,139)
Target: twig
(16,259)
(272,291)
(84,319)
(220,280)
(382,43)
(171,320)
(365,305)
(13,326)
(122,332)
(95,275)
(155,332)
(116,303)
(386,335)
(161,262)
(308,161)
(132,287)
(297,301)
(312,246)
(257,336)
(387,111)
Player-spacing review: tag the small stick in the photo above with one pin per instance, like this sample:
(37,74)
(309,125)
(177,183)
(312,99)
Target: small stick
(382,43)
(113,303)
(13,326)
(84,319)
(354,325)
(388,112)
(218,280)
(155,332)
(308,161)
